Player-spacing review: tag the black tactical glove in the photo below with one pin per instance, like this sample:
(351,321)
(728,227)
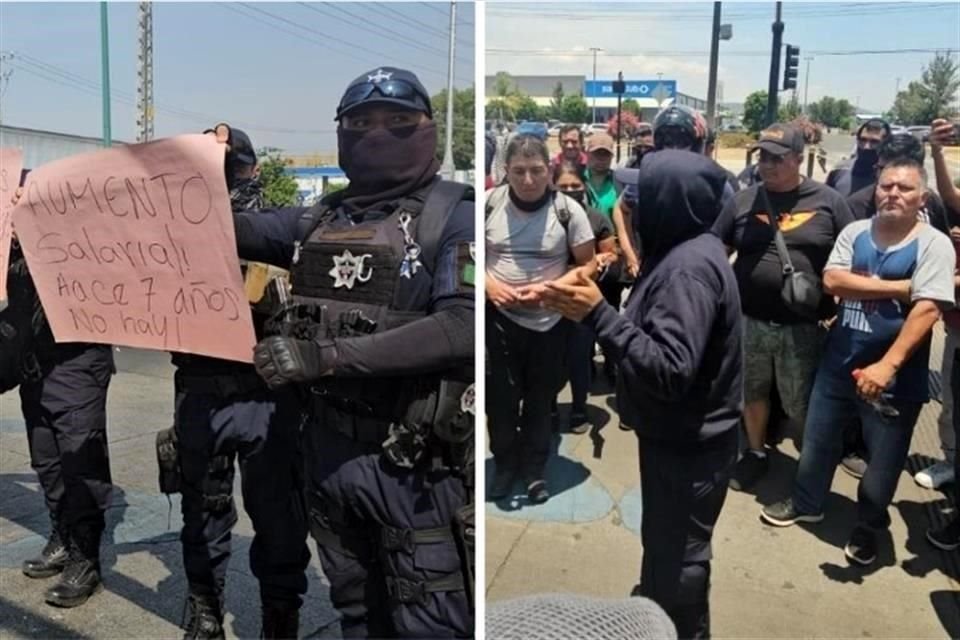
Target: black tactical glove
(280,360)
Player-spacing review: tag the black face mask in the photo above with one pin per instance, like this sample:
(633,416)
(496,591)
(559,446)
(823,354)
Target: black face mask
(577,194)
(866,160)
(384,164)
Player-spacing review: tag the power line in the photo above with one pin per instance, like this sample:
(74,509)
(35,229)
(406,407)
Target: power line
(60,76)
(691,53)
(358,21)
(689,14)
(380,55)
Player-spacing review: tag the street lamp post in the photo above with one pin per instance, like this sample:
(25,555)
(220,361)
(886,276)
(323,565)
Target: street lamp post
(595,50)
(448,168)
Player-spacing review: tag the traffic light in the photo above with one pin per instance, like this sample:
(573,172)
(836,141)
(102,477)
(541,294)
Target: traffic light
(790,69)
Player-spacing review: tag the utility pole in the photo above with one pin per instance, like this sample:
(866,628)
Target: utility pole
(447,168)
(595,50)
(806,84)
(4,77)
(714,55)
(145,73)
(105,71)
(774,84)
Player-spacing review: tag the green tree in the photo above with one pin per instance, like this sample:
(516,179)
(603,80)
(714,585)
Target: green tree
(556,105)
(504,85)
(463,124)
(933,96)
(789,110)
(631,106)
(279,187)
(575,110)
(527,109)
(832,112)
(499,109)
(755,111)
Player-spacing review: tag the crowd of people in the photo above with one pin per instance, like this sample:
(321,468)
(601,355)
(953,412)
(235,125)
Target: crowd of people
(824,314)
(353,422)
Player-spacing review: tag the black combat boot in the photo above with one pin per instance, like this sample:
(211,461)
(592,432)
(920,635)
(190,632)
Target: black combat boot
(281,620)
(51,560)
(81,577)
(205,621)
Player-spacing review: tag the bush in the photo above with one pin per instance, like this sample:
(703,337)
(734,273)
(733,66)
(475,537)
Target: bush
(735,140)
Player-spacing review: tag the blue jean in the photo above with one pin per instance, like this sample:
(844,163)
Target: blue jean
(834,404)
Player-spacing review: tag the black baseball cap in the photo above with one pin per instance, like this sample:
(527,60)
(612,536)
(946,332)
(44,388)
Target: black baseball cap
(241,148)
(781,139)
(386,85)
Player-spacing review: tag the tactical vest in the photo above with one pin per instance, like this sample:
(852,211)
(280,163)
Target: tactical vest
(350,279)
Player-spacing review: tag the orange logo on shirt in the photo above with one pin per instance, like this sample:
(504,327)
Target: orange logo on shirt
(788,221)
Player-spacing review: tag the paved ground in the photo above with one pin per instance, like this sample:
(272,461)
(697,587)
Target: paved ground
(767,582)
(143,572)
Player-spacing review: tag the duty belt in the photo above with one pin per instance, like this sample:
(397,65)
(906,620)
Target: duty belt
(223,385)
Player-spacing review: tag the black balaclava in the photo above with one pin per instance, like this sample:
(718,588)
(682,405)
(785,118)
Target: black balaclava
(385,164)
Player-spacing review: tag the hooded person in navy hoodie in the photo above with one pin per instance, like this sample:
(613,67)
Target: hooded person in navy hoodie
(678,344)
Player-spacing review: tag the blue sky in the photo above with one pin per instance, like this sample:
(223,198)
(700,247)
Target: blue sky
(645,38)
(232,61)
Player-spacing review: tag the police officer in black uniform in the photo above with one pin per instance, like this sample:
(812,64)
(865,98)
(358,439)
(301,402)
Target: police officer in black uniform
(224,413)
(377,338)
(63,395)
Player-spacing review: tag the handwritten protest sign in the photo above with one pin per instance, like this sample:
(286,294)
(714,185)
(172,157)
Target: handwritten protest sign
(11,163)
(135,246)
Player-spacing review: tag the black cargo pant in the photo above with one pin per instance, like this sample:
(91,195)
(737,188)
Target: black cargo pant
(65,414)
(363,514)
(524,372)
(260,430)
(683,489)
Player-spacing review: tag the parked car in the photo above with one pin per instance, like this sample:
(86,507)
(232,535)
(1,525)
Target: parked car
(554,130)
(920,131)
(537,129)
(590,129)
(896,128)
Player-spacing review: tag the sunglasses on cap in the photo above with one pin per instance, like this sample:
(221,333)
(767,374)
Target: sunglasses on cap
(399,89)
(645,132)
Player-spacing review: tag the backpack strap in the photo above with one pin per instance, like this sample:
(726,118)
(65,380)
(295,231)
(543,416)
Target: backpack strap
(437,208)
(495,199)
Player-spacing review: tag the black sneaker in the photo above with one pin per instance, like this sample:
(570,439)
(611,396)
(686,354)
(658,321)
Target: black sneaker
(862,548)
(748,471)
(854,465)
(578,422)
(783,514)
(537,492)
(501,485)
(946,538)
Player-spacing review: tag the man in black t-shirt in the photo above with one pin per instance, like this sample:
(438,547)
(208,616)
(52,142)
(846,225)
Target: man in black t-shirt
(779,343)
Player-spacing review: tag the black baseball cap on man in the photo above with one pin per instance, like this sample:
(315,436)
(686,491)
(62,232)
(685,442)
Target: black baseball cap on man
(386,85)
(781,139)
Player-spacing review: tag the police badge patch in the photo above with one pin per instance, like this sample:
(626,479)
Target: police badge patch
(348,270)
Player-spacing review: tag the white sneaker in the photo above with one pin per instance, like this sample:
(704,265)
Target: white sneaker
(937,474)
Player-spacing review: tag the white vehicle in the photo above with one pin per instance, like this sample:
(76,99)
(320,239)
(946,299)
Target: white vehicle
(596,127)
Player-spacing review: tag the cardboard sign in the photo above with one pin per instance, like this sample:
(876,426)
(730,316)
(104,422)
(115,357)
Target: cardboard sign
(11,163)
(135,246)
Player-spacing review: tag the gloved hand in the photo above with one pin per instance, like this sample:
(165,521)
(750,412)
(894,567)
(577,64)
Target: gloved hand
(280,360)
